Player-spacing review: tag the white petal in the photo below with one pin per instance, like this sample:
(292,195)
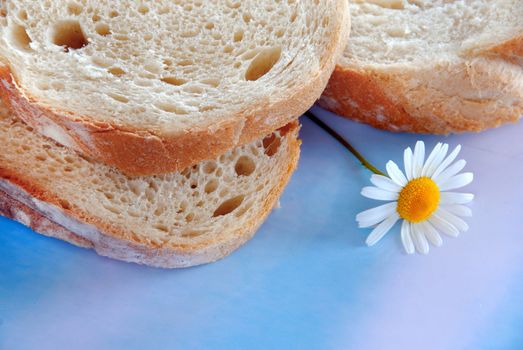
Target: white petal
(430,160)
(450,171)
(407,162)
(431,233)
(458,209)
(443,226)
(406,237)
(419,157)
(395,173)
(457,181)
(420,241)
(452,219)
(384,183)
(378,194)
(381,229)
(447,161)
(371,217)
(437,160)
(456,198)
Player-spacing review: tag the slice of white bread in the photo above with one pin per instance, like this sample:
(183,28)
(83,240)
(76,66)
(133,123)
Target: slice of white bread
(152,87)
(179,219)
(431,66)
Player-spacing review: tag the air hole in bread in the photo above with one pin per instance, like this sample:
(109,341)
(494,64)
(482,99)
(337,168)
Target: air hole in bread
(161,227)
(184,63)
(246,17)
(119,98)
(95,18)
(228,206)
(57,85)
(233,4)
(238,36)
(244,166)
(170,108)
(293,17)
(19,38)
(143,9)
(112,209)
(189,33)
(211,186)
(121,37)
(211,82)
(209,167)
(69,34)
(159,211)
(263,63)
(193,89)
(191,233)
(209,25)
(22,15)
(243,210)
(102,61)
(250,54)
(113,14)
(279,32)
(74,9)
(64,204)
(173,81)
(116,71)
(271,144)
(102,29)
(189,217)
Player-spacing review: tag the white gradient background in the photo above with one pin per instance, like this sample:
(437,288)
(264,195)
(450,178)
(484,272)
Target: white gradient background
(306,281)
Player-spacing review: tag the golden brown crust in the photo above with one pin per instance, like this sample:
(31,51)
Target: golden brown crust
(115,242)
(510,50)
(441,98)
(147,152)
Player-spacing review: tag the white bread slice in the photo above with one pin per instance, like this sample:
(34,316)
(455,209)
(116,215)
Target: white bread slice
(431,66)
(180,219)
(152,87)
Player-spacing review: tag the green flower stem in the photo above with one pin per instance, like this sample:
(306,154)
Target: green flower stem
(344,142)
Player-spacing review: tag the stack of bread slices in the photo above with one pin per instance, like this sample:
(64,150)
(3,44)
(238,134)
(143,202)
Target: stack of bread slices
(157,132)
(163,132)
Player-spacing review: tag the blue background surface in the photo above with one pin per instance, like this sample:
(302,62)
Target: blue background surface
(306,280)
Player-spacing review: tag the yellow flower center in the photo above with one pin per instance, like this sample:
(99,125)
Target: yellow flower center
(418,199)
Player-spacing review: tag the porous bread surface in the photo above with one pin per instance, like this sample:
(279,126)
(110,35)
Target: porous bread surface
(414,31)
(171,220)
(431,66)
(173,66)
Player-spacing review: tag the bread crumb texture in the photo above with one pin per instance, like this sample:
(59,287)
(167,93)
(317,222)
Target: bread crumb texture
(168,64)
(212,201)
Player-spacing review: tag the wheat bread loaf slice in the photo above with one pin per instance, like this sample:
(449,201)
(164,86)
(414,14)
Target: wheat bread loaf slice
(179,219)
(431,66)
(155,86)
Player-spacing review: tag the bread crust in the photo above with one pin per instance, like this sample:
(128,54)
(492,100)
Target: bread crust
(456,95)
(23,201)
(149,152)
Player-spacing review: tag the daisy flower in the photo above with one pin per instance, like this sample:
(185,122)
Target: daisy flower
(420,198)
